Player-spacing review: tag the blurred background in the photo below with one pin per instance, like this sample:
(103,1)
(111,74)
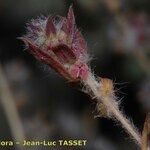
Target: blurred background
(37,103)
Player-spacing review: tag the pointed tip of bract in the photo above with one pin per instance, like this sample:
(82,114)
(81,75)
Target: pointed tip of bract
(70,14)
(50,27)
(25,40)
(71,7)
(20,38)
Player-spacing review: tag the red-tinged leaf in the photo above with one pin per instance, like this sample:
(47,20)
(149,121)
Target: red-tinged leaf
(80,42)
(50,27)
(71,20)
(47,59)
(64,26)
(64,53)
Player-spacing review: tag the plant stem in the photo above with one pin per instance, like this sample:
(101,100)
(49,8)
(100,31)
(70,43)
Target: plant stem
(93,85)
(146,133)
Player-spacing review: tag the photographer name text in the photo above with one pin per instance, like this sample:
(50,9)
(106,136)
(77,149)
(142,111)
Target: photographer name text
(46,143)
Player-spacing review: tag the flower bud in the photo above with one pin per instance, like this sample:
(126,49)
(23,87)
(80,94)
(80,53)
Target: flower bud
(57,42)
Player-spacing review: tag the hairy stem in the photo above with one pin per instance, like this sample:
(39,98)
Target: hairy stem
(146,133)
(93,85)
